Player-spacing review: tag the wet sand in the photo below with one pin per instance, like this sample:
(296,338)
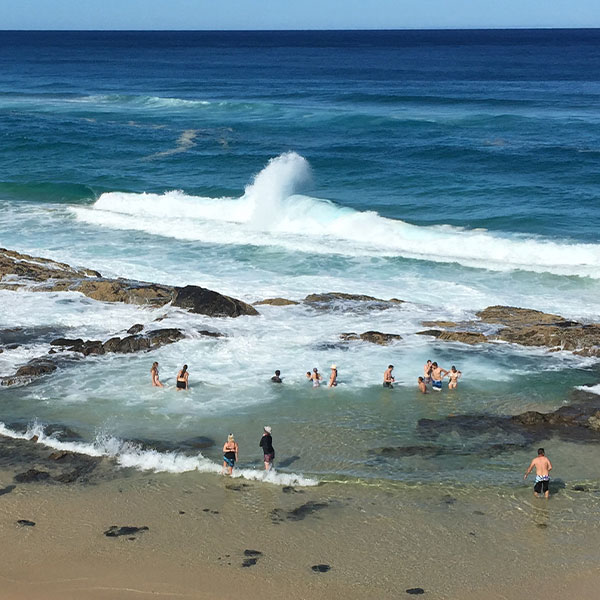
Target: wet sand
(379,540)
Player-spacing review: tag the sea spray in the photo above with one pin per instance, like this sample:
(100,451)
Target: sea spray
(131,454)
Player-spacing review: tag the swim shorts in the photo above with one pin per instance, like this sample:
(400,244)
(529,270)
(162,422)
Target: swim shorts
(269,457)
(387,384)
(541,484)
(436,384)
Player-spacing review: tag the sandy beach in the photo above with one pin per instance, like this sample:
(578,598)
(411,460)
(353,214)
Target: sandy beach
(216,537)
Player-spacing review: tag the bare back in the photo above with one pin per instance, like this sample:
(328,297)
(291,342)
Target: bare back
(542,466)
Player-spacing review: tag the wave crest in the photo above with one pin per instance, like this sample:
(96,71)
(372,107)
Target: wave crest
(272,213)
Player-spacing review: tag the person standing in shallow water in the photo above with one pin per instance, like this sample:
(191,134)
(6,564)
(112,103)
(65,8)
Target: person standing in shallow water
(182,379)
(333,376)
(277,377)
(437,374)
(454,376)
(422,386)
(427,371)
(154,373)
(542,468)
(316,378)
(230,454)
(388,378)
(266,443)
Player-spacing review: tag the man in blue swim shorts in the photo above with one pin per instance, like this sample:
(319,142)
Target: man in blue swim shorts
(436,376)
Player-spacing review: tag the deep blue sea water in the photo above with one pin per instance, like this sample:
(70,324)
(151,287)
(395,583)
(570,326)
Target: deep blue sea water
(451,169)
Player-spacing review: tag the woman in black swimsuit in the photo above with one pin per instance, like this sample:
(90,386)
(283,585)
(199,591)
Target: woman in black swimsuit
(230,454)
(182,379)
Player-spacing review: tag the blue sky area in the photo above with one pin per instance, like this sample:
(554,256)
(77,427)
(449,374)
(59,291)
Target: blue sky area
(298,14)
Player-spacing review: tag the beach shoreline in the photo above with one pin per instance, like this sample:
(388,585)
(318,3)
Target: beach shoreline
(204,528)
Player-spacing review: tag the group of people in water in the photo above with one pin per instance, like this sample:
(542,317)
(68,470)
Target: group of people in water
(433,375)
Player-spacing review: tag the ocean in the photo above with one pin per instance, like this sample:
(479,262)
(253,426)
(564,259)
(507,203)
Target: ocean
(453,170)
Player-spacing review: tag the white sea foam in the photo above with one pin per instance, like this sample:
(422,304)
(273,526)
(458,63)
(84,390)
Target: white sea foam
(271,213)
(128,454)
(592,389)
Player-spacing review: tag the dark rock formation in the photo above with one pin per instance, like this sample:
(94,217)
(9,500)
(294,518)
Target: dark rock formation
(321,568)
(49,275)
(579,421)
(276,302)
(416,591)
(526,327)
(511,315)
(116,531)
(349,302)
(7,490)
(331,296)
(465,337)
(132,343)
(436,324)
(135,329)
(374,337)
(210,333)
(32,476)
(35,368)
(26,523)
(123,290)
(38,269)
(206,302)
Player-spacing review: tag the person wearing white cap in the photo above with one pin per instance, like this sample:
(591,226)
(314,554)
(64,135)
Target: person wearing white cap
(333,376)
(266,443)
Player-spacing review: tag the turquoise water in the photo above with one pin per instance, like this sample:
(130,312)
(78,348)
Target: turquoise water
(452,170)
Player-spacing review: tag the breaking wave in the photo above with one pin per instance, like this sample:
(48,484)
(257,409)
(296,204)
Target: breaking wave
(129,454)
(271,212)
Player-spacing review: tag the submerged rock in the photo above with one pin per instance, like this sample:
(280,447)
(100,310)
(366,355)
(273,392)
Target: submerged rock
(36,367)
(436,324)
(32,476)
(276,302)
(374,337)
(575,422)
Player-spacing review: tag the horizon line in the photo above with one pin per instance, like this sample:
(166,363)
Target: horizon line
(318,29)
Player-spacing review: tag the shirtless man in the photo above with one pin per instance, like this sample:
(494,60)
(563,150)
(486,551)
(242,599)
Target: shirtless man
(427,371)
(454,376)
(422,386)
(388,378)
(316,377)
(542,473)
(437,373)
